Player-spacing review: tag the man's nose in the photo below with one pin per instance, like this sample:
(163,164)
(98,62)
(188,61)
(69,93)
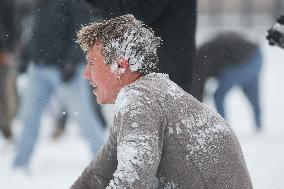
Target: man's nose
(86,72)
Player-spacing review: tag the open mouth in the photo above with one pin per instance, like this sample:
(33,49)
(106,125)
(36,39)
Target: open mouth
(94,86)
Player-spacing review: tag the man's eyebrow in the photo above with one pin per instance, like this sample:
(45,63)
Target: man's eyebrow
(91,61)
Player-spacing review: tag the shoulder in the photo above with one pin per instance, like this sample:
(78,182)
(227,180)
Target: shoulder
(131,98)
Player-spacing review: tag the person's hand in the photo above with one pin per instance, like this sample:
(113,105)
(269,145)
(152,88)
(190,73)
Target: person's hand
(275,37)
(276,33)
(7,58)
(2,57)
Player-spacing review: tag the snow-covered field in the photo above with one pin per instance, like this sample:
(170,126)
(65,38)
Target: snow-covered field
(56,164)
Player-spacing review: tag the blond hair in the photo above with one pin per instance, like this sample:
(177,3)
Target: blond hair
(123,37)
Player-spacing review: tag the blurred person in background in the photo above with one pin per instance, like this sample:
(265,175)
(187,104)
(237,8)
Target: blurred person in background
(8,92)
(174,21)
(25,17)
(234,61)
(56,66)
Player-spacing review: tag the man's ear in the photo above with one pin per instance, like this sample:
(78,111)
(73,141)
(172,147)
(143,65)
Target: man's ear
(123,63)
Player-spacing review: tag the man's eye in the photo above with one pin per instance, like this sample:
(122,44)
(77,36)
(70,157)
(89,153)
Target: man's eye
(92,63)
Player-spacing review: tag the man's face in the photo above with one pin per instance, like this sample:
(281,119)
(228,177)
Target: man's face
(105,82)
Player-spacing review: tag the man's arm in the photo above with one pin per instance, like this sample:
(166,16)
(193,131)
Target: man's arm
(140,142)
(99,173)
(146,10)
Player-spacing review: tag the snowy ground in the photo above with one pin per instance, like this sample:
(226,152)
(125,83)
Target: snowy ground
(56,164)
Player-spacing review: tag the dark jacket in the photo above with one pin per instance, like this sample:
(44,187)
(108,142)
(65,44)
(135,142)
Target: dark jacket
(172,20)
(54,32)
(212,56)
(7,25)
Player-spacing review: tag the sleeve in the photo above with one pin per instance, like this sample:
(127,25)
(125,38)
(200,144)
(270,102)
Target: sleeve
(146,10)
(74,16)
(140,142)
(100,171)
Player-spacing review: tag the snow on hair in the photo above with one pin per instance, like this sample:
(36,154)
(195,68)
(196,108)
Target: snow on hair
(123,37)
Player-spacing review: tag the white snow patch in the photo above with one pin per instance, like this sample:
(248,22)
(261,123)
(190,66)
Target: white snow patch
(131,154)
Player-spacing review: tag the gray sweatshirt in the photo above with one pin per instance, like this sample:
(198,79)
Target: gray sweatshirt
(162,137)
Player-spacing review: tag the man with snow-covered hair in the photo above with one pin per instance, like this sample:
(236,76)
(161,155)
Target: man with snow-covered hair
(161,137)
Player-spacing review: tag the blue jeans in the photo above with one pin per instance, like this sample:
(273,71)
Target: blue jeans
(246,75)
(76,95)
